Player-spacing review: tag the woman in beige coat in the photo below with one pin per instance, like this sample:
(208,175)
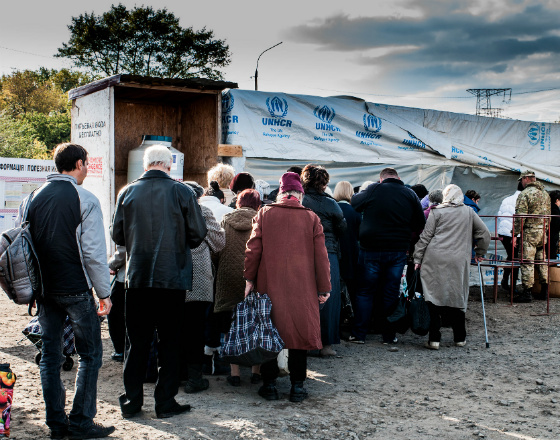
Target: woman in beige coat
(444,253)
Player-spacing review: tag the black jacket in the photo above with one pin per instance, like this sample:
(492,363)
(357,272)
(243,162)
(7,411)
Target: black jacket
(158,220)
(349,243)
(330,215)
(391,213)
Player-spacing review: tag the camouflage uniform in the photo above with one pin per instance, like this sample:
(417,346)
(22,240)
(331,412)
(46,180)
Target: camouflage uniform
(533,200)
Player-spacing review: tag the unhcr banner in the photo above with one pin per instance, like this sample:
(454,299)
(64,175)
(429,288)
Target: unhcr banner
(341,129)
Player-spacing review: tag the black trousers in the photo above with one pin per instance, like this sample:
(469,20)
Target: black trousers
(192,341)
(147,310)
(511,254)
(297,364)
(454,317)
(115,319)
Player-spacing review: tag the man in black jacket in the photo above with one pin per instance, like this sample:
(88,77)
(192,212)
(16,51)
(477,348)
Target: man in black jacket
(159,221)
(391,212)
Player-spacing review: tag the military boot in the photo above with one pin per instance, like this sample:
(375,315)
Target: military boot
(543,295)
(524,296)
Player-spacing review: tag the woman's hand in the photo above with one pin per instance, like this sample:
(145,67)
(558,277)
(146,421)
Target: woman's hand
(248,287)
(323,297)
(417,266)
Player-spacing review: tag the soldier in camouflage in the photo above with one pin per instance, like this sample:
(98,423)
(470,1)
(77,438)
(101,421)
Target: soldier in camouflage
(533,200)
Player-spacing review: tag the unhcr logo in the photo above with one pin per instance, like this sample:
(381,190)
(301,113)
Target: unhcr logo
(539,134)
(325,114)
(278,109)
(227,103)
(372,123)
(534,133)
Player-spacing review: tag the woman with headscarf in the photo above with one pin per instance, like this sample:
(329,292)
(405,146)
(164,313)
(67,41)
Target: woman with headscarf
(286,258)
(230,285)
(443,254)
(315,179)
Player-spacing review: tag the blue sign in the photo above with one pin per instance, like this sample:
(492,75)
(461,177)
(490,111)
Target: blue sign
(227,103)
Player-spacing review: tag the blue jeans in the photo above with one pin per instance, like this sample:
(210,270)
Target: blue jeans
(379,281)
(82,311)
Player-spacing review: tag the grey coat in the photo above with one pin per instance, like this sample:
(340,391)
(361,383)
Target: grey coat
(444,251)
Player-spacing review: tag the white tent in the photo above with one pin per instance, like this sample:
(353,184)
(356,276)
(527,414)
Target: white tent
(355,139)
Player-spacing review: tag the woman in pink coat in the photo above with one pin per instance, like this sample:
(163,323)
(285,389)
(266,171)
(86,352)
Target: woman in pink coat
(286,258)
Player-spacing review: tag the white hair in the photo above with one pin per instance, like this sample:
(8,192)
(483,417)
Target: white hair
(366,184)
(158,155)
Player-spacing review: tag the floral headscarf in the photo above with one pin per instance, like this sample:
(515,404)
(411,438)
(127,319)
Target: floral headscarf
(452,196)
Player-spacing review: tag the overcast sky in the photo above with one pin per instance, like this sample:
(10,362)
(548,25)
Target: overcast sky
(415,53)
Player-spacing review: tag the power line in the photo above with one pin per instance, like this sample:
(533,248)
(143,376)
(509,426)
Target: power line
(28,53)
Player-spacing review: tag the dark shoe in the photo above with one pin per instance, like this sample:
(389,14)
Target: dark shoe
(59,433)
(256,378)
(94,431)
(234,381)
(505,285)
(128,409)
(174,410)
(195,382)
(298,393)
(269,391)
(524,297)
(543,295)
(119,357)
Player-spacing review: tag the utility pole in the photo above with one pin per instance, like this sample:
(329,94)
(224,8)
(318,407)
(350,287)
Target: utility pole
(257,68)
(485,108)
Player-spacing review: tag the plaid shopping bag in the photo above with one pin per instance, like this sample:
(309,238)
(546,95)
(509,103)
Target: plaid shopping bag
(252,338)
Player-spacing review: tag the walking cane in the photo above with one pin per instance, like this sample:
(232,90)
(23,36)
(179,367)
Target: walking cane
(482,299)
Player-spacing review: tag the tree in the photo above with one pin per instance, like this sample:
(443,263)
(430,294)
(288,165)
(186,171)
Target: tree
(143,41)
(17,141)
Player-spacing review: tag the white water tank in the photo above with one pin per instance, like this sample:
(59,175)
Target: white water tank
(136,157)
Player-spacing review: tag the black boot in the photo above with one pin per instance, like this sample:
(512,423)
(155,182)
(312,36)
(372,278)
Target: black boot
(269,391)
(524,296)
(543,295)
(196,382)
(298,393)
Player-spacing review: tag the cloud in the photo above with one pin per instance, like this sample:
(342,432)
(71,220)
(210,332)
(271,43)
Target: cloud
(443,39)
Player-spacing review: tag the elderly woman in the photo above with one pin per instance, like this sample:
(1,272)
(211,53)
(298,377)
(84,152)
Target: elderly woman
(443,253)
(230,285)
(223,174)
(199,298)
(240,182)
(286,258)
(315,180)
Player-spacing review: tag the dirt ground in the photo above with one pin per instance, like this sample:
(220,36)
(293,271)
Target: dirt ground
(510,390)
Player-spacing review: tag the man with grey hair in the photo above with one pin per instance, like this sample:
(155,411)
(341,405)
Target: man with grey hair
(159,221)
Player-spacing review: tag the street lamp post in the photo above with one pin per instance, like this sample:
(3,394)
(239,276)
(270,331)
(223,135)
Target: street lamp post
(257,68)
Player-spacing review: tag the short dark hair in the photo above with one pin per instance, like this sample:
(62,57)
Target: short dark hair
(554,195)
(295,169)
(314,176)
(66,155)
(420,190)
(387,173)
(472,194)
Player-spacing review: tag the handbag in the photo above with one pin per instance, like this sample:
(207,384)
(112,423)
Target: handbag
(252,338)
(399,319)
(417,308)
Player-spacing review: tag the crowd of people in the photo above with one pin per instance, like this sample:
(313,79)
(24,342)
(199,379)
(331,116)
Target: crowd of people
(186,255)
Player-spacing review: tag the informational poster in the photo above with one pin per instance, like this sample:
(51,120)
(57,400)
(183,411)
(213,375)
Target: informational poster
(18,179)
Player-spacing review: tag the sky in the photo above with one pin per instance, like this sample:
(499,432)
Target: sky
(413,53)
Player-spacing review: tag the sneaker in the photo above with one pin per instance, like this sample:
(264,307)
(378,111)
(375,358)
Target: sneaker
(394,341)
(94,431)
(118,357)
(460,344)
(432,345)
(256,378)
(269,391)
(355,340)
(234,381)
(59,433)
(174,410)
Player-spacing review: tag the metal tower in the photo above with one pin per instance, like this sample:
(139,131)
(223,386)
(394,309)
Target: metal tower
(485,94)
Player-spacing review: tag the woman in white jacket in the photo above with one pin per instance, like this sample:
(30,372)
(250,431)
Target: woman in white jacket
(505,224)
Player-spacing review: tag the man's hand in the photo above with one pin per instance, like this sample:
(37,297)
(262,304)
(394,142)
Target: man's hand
(112,272)
(478,258)
(105,305)
(417,266)
(514,241)
(323,297)
(248,287)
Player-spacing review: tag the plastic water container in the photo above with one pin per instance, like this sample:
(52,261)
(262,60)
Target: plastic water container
(136,157)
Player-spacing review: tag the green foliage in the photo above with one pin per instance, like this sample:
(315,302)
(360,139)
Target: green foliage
(143,41)
(16,140)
